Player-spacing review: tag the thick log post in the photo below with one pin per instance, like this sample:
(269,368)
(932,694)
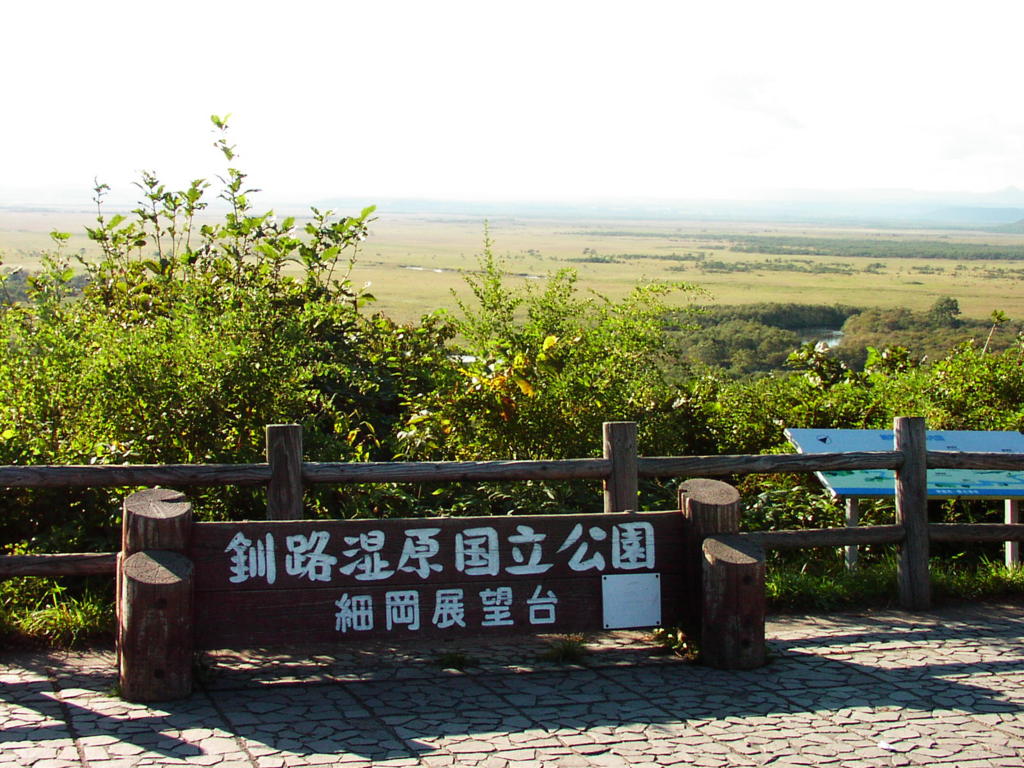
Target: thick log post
(912,513)
(154,597)
(155,628)
(620,489)
(734,603)
(284,454)
(156,518)
(709,507)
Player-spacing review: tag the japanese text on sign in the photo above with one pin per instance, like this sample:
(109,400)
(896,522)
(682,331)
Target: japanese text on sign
(477,551)
(402,608)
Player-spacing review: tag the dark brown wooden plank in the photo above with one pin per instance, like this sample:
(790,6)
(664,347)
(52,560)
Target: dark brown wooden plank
(242,601)
(455,471)
(976,532)
(77,564)
(970,460)
(703,466)
(127,475)
(827,537)
(186,475)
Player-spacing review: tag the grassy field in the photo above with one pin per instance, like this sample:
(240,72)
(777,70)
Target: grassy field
(414,262)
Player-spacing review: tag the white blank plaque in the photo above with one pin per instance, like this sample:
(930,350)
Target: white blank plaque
(631,600)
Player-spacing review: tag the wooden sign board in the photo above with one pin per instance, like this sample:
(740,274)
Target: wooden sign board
(277,582)
(942,483)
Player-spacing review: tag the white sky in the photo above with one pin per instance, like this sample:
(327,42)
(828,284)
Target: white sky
(530,100)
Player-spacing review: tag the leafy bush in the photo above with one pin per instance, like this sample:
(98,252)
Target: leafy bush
(540,371)
(186,341)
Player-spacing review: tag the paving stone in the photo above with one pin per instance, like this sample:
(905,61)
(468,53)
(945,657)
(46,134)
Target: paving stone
(943,689)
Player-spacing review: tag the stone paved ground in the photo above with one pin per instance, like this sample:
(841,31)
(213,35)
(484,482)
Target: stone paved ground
(873,689)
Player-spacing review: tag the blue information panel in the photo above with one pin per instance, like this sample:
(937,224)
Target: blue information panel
(942,483)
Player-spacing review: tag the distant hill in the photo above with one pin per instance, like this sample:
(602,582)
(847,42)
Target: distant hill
(979,216)
(865,210)
(1016,228)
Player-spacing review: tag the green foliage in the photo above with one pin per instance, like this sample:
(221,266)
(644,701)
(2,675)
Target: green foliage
(945,312)
(987,579)
(70,621)
(542,369)
(970,389)
(186,342)
(739,347)
(926,335)
(796,587)
(789,316)
(34,609)
(751,339)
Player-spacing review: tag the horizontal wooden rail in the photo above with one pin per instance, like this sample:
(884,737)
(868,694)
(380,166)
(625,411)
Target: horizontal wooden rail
(77,564)
(186,475)
(285,476)
(127,475)
(884,534)
(957,460)
(976,532)
(453,471)
(685,466)
(826,537)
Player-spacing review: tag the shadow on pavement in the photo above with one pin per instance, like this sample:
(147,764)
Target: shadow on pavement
(486,710)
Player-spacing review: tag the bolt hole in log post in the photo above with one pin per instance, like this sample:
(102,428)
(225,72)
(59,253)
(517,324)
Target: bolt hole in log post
(154,597)
(727,572)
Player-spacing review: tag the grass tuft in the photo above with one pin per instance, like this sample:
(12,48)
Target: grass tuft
(71,622)
(41,611)
(675,640)
(566,649)
(790,588)
(455,660)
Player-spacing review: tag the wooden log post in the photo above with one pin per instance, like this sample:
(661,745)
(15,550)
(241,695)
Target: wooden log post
(154,597)
(732,619)
(910,438)
(284,454)
(1011,515)
(621,493)
(708,507)
(852,521)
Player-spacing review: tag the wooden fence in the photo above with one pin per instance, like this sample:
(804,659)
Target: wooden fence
(285,476)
